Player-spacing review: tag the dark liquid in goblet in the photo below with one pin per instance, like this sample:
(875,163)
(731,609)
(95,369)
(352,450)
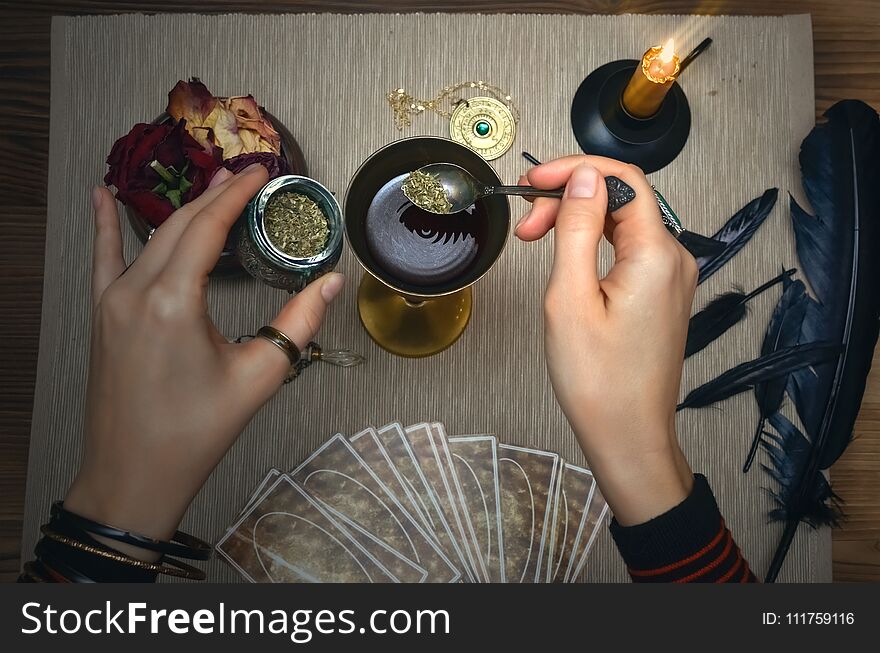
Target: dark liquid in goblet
(419,247)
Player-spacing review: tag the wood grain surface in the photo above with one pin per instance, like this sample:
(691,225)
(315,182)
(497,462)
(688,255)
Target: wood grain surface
(847,65)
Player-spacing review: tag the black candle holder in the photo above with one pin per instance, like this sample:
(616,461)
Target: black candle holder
(602,126)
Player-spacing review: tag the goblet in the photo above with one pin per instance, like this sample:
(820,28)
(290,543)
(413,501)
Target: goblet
(415,298)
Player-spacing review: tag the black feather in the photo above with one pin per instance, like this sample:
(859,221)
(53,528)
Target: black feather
(788,450)
(838,250)
(783,331)
(721,314)
(737,232)
(746,375)
(699,245)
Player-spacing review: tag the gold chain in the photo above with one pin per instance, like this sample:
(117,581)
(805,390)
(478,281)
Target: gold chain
(405,106)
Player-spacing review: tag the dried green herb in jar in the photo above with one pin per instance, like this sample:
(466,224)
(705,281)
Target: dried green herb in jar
(426,192)
(296,225)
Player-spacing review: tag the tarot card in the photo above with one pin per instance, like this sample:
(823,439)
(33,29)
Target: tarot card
(265,484)
(594,520)
(574,489)
(337,477)
(527,480)
(428,443)
(287,537)
(367,445)
(395,442)
(440,443)
(476,462)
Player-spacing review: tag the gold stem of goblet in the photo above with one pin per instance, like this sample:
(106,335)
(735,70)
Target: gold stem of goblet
(414,329)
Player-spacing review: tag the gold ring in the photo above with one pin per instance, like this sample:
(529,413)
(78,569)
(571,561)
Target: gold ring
(281,341)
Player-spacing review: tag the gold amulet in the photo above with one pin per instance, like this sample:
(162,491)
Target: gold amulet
(483,124)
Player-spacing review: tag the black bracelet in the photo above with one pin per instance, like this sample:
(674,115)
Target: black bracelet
(30,574)
(63,558)
(53,566)
(181,545)
(167,566)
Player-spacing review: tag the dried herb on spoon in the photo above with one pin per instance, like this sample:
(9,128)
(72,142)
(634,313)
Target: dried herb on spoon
(426,192)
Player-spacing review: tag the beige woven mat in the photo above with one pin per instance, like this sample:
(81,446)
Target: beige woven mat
(325,77)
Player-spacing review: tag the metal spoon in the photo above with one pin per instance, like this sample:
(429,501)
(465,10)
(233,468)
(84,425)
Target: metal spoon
(462,189)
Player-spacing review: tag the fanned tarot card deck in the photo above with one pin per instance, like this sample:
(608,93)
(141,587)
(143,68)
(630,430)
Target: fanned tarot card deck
(409,504)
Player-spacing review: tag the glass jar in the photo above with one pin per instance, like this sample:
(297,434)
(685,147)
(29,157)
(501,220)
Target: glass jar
(264,261)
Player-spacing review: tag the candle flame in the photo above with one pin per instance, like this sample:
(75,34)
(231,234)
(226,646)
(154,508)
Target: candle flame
(668,51)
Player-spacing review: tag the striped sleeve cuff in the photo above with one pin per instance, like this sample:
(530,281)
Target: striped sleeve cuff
(689,543)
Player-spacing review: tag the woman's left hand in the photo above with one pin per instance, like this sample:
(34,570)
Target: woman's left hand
(167,394)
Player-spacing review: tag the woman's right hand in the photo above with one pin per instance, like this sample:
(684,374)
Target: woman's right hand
(615,345)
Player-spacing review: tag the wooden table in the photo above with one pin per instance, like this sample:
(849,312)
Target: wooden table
(847,63)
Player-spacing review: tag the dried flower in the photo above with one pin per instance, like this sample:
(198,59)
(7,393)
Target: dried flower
(158,168)
(236,124)
(295,224)
(426,192)
(274,164)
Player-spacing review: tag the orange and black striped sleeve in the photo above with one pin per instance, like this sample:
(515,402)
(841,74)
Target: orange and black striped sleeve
(688,544)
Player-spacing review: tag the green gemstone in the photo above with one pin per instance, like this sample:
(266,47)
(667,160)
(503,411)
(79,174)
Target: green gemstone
(482,128)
